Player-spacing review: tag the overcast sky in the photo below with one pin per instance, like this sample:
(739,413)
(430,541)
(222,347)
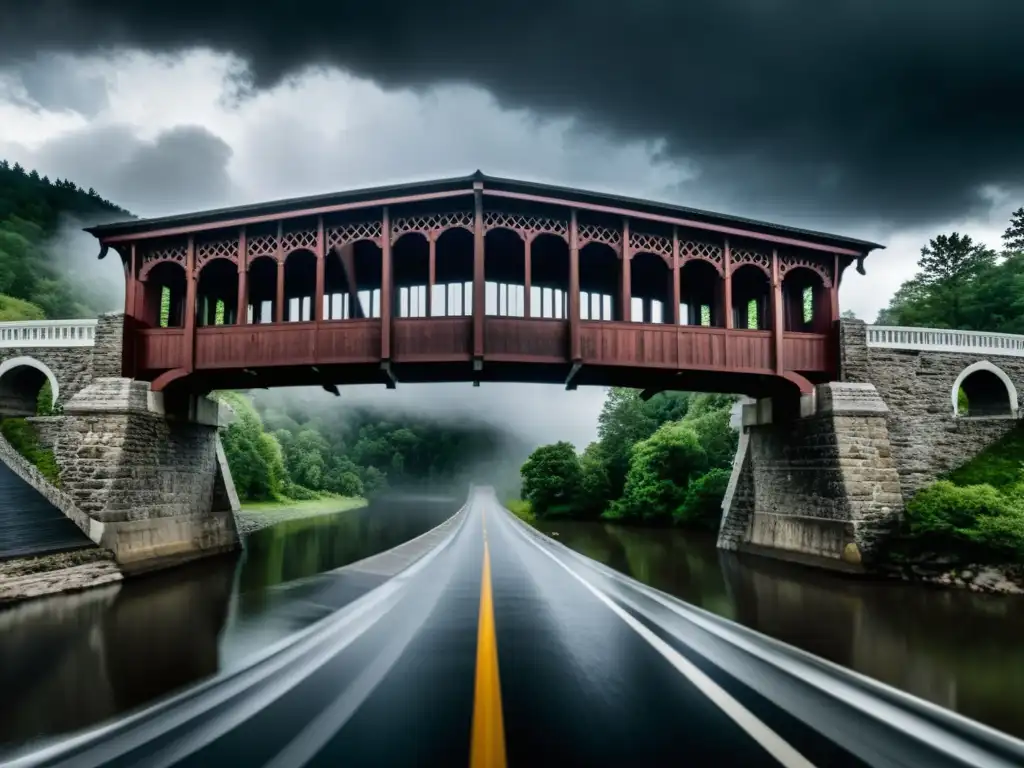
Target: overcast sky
(888,121)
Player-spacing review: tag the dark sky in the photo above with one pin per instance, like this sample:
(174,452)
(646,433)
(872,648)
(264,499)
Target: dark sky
(888,112)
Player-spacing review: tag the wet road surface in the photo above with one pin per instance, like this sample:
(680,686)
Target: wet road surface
(499,648)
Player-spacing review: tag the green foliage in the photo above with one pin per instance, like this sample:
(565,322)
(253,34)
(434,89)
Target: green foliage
(1000,465)
(522,510)
(1013,237)
(23,438)
(660,469)
(551,478)
(976,522)
(255,457)
(32,285)
(702,505)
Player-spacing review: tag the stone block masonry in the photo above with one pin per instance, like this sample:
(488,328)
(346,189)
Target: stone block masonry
(927,439)
(822,489)
(156,485)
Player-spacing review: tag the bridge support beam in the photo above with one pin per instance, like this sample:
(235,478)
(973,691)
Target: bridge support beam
(151,474)
(813,480)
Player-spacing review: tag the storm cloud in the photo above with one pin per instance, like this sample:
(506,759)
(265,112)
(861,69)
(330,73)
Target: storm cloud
(878,114)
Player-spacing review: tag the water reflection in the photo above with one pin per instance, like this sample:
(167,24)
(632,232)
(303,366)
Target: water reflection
(956,648)
(70,661)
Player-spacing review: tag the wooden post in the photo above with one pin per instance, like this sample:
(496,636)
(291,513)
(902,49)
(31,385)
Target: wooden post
(727,287)
(626,292)
(188,356)
(279,300)
(778,321)
(385,286)
(834,290)
(675,276)
(431,272)
(321,263)
(574,289)
(243,280)
(527,278)
(478,270)
(131,324)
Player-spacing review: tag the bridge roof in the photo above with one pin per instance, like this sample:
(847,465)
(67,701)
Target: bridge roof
(408,192)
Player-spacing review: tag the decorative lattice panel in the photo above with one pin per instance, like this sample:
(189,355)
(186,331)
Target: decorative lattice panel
(789,262)
(740,256)
(353,233)
(526,226)
(698,249)
(431,223)
(656,244)
(594,233)
(175,254)
(298,240)
(219,249)
(262,245)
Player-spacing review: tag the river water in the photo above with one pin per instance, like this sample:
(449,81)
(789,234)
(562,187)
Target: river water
(71,661)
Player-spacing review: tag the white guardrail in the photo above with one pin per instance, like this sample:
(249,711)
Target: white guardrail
(48,333)
(945,340)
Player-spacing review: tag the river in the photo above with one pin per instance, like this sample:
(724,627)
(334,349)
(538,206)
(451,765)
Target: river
(70,661)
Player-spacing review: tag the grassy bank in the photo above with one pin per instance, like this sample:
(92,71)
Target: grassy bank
(522,510)
(261,514)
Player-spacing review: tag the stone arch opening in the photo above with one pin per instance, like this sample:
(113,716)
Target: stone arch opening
(217,293)
(600,270)
(262,289)
(805,302)
(983,389)
(650,281)
(299,286)
(22,381)
(164,296)
(504,273)
(549,267)
(700,291)
(410,257)
(751,298)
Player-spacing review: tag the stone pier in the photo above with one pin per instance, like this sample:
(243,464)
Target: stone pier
(154,482)
(816,484)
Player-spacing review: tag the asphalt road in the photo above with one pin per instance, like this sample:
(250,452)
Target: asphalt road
(494,649)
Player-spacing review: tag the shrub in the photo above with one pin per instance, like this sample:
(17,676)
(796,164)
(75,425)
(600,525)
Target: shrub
(974,521)
(522,510)
(702,506)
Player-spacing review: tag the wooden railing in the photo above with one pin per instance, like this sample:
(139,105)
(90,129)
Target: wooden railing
(945,340)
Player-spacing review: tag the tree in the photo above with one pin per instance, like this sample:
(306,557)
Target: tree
(848,314)
(595,487)
(660,470)
(551,479)
(951,258)
(1013,237)
(623,421)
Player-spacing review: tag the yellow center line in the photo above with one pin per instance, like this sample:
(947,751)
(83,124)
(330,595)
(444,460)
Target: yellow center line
(487,749)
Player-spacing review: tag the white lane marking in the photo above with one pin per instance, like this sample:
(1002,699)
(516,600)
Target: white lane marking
(772,743)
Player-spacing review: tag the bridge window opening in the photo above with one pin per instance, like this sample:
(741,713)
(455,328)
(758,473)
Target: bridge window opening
(700,294)
(806,303)
(163,297)
(410,269)
(504,274)
(340,282)
(549,277)
(262,290)
(595,306)
(650,280)
(26,389)
(751,291)
(299,286)
(453,269)
(985,391)
(600,271)
(217,293)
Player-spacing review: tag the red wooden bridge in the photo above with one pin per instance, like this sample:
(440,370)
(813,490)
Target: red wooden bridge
(478,279)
